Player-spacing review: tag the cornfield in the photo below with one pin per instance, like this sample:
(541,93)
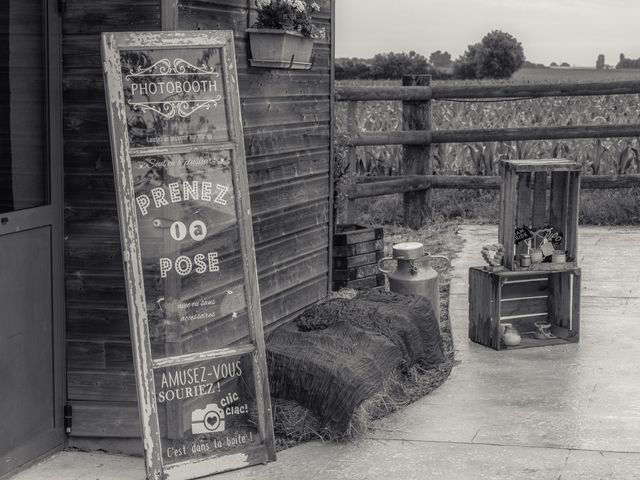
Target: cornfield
(611,156)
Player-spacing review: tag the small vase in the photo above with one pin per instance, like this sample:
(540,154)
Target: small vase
(536,256)
(558,256)
(511,337)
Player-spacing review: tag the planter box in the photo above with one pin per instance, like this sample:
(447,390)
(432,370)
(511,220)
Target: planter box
(521,299)
(272,48)
(356,251)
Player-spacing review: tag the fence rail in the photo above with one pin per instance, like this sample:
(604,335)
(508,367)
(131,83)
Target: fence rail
(374,186)
(446,92)
(421,137)
(417,95)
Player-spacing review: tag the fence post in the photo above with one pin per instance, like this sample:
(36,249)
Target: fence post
(349,215)
(416,159)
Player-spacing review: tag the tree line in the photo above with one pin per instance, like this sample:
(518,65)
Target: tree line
(497,55)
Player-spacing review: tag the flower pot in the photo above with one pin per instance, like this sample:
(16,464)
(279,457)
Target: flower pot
(272,48)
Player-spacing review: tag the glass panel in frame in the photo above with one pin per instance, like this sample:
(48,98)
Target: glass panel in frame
(210,407)
(190,250)
(174,97)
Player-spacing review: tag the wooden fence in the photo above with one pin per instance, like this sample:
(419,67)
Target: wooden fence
(417,136)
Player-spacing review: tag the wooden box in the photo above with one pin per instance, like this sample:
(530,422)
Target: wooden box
(534,195)
(521,299)
(356,251)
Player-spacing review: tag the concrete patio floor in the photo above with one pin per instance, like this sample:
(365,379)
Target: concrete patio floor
(556,413)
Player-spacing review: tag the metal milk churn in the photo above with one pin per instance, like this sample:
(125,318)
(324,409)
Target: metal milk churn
(414,274)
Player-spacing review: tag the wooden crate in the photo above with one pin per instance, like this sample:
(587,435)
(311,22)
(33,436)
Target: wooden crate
(536,194)
(356,252)
(522,298)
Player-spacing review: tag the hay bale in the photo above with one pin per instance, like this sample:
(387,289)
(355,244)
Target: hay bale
(339,353)
(406,320)
(329,371)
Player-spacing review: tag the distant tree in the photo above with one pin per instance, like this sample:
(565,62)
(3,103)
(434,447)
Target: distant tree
(498,55)
(564,64)
(440,59)
(600,62)
(628,62)
(621,62)
(466,66)
(352,68)
(553,64)
(394,65)
(528,64)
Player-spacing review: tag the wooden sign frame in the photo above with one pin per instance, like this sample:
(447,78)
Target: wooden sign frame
(148,367)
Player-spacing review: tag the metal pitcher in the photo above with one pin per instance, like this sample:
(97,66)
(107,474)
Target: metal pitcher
(414,274)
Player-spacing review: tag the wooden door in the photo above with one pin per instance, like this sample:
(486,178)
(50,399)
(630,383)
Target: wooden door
(31,332)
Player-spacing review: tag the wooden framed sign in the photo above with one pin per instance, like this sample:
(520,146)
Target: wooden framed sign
(188,251)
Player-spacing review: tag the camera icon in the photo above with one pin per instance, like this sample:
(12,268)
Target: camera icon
(208,419)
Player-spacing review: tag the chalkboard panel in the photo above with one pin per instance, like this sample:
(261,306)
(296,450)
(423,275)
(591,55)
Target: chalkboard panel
(188,250)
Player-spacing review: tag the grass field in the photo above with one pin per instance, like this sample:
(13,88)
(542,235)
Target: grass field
(612,156)
(536,75)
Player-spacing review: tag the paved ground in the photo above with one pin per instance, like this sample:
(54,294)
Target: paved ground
(557,413)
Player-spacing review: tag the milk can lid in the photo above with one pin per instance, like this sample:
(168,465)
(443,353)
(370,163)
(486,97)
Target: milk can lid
(408,250)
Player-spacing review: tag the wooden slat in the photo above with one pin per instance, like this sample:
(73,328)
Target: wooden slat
(524,306)
(539,216)
(543,164)
(262,112)
(547,267)
(559,204)
(358,248)
(86,354)
(285,139)
(501,204)
(355,273)
(101,385)
(352,234)
(571,243)
(357,260)
(108,420)
(523,211)
(509,218)
(110,15)
(525,289)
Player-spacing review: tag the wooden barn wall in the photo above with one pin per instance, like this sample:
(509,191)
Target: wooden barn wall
(286,116)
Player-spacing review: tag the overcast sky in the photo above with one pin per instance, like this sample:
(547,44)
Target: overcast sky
(573,31)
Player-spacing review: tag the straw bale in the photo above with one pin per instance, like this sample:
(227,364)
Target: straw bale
(339,353)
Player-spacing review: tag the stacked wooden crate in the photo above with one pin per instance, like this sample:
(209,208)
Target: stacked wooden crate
(356,251)
(535,195)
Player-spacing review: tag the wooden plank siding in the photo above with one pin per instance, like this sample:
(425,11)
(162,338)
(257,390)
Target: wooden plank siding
(287,127)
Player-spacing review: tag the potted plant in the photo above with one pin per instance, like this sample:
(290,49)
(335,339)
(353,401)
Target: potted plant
(283,35)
